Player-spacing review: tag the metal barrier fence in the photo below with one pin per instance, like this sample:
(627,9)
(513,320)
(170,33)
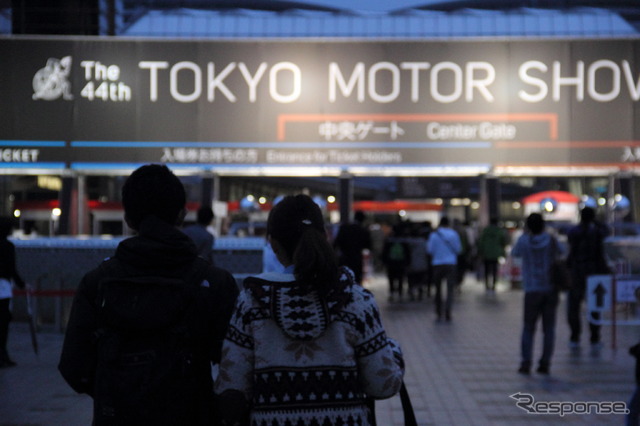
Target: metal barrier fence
(613,300)
(53,268)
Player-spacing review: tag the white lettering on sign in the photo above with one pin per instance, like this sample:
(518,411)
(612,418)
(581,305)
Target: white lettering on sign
(382,82)
(439,131)
(364,80)
(102,83)
(9,155)
(212,155)
(153,67)
(351,131)
(284,80)
(601,82)
(197,82)
(483,131)
(464,81)
(97,71)
(273,156)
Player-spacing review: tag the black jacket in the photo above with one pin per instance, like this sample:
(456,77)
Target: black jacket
(158,250)
(8,262)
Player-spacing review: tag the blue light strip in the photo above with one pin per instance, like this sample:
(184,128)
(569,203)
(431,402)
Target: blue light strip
(77,166)
(99,166)
(389,145)
(32,165)
(420,165)
(59,144)
(265,165)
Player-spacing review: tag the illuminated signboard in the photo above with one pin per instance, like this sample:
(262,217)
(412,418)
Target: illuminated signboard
(87,103)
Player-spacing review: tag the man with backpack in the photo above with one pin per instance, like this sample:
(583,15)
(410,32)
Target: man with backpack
(146,324)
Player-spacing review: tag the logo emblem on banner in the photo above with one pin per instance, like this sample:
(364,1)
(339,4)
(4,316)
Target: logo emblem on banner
(51,82)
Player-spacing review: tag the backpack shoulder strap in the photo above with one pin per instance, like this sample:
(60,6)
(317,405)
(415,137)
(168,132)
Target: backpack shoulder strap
(196,273)
(447,243)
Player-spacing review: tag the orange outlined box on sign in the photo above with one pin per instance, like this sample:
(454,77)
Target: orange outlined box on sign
(550,118)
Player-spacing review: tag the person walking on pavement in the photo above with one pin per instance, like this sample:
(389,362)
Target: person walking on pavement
(538,250)
(491,247)
(586,257)
(396,257)
(350,242)
(201,237)
(305,346)
(418,264)
(146,324)
(462,264)
(444,246)
(8,277)
(426,230)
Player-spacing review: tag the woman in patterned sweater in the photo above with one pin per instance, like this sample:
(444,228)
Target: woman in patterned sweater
(306,346)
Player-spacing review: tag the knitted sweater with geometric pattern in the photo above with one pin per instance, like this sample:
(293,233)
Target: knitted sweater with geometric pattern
(294,358)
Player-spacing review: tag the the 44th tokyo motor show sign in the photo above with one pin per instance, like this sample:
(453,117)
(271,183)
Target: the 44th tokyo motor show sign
(83,102)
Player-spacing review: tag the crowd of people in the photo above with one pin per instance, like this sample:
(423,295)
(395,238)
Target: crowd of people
(420,261)
(429,259)
(302,343)
(432,260)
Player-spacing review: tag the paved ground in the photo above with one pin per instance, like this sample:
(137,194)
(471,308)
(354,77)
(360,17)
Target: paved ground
(458,373)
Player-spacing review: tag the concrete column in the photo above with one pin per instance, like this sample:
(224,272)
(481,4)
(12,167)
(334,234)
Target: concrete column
(67,208)
(207,189)
(82,206)
(6,206)
(345,196)
(611,193)
(489,198)
(215,192)
(626,188)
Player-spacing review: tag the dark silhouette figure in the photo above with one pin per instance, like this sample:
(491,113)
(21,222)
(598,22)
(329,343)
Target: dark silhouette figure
(633,417)
(396,256)
(201,237)
(586,257)
(419,263)
(351,240)
(491,247)
(8,276)
(146,324)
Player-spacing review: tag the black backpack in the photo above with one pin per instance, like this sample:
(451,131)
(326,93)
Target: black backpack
(150,362)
